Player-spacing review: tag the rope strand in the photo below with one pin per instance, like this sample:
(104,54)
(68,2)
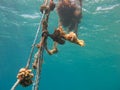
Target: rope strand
(39,68)
(15,85)
(34,42)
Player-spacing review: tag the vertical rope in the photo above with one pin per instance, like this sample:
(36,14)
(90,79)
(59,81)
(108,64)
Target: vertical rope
(33,45)
(38,30)
(39,69)
(40,60)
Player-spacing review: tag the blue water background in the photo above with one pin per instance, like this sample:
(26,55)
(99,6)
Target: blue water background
(93,67)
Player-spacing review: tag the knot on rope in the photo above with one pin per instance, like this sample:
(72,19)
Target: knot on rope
(25,76)
(44,24)
(44,8)
(45,33)
(47,8)
(36,58)
(52,5)
(56,36)
(34,65)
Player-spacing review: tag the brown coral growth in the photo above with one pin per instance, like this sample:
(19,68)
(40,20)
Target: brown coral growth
(70,13)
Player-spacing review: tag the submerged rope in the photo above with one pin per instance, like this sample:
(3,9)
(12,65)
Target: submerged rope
(39,65)
(36,36)
(40,56)
(16,83)
(34,42)
(31,52)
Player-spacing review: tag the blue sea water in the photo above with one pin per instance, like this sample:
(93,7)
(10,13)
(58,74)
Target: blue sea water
(93,67)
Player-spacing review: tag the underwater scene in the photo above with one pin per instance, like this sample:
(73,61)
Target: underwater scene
(92,65)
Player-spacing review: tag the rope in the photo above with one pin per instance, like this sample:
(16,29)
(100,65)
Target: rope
(15,85)
(36,36)
(40,60)
(31,52)
(33,45)
(39,66)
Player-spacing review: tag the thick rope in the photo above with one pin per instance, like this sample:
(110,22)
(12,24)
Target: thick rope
(39,65)
(36,37)
(38,71)
(34,42)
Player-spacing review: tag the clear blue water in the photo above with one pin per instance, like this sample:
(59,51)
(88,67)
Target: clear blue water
(93,67)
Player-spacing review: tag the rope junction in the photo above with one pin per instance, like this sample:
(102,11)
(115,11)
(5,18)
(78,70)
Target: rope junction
(59,36)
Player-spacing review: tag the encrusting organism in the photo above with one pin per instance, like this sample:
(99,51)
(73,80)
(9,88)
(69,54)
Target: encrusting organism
(25,76)
(62,36)
(70,13)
